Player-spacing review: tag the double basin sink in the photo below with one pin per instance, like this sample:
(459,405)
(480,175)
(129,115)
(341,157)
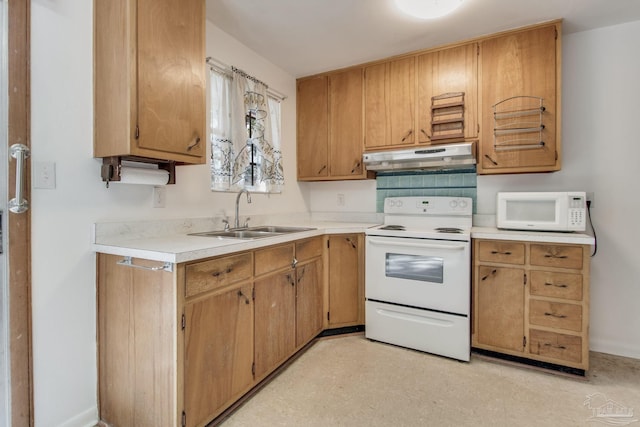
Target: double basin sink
(257,232)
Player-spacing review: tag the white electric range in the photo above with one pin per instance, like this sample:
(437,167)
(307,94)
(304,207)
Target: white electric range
(418,275)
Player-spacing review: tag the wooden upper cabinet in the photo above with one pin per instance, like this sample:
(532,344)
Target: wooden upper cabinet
(345,124)
(448,72)
(313,131)
(330,136)
(520,71)
(149,79)
(389,104)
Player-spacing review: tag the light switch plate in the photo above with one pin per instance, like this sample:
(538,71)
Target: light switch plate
(44,175)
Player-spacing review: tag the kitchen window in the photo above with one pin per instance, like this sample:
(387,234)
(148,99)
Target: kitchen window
(245,133)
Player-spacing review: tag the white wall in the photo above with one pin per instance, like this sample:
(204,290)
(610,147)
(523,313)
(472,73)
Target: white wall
(63,264)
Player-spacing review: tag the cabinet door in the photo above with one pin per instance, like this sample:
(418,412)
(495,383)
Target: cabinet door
(171,76)
(500,307)
(345,290)
(515,65)
(390,104)
(312,112)
(275,329)
(308,301)
(448,71)
(218,352)
(345,124)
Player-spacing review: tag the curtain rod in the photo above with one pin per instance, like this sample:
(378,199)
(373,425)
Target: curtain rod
(223,68)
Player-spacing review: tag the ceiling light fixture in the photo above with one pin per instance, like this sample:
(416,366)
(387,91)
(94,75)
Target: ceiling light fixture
(428,9)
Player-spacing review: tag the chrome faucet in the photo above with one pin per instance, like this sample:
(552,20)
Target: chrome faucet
(237,220)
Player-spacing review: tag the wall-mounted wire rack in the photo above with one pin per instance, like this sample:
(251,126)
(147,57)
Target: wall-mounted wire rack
(518,123)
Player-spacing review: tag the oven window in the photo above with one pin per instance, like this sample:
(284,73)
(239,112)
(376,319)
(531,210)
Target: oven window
(415,267)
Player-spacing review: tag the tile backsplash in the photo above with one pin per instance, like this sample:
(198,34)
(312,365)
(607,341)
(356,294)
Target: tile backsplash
(455,183)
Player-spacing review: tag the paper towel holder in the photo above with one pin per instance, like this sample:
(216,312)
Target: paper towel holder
(112,167)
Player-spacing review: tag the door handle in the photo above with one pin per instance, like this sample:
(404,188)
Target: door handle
(21,153)
(375,241)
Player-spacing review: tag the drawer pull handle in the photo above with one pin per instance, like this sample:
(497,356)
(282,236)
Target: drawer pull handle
(487,276)
(556,256)
(246,298)
(559,347)
(219,273)
(500,253)
(559,316)
(557,285)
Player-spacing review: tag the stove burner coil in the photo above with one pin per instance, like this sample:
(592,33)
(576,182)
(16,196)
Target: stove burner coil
(448,230)
(393,227)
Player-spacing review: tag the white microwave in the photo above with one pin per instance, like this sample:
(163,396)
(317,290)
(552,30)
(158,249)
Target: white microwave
(542,211)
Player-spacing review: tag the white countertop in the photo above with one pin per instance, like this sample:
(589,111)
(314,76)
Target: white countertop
(181,247)
(532,236)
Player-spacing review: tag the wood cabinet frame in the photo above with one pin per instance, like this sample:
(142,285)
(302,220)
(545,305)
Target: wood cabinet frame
(568,319)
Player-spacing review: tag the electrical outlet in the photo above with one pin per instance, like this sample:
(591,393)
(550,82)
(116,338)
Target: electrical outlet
(44,175)
(159,197)
(590,198)
(340,200)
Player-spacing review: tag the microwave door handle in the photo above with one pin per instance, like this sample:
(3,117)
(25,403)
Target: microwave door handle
(380,242)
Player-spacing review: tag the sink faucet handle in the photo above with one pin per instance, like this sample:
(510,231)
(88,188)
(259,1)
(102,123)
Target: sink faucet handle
(246,222)
(226,224)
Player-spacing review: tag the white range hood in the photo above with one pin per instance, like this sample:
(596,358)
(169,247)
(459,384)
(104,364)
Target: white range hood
(434,157)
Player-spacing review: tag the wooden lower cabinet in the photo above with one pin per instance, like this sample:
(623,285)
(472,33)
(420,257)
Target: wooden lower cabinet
(275,333)
(177,348)
(346,280)
(218,352)
(500,307)
(532,300)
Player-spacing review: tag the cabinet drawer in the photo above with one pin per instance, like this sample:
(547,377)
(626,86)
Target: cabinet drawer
(273,258)
(557,346)
(308,249)
(556,285)
(557,256)
(217,273)
(555,315)
(501,251)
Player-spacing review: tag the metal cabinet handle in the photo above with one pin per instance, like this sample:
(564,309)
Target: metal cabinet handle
(128,262)
(21,153)
(559,316)
(558,285)
(500,253)
(294,263)
(246,298)
(194,144)
(556,256)
(559,347)
(487,276)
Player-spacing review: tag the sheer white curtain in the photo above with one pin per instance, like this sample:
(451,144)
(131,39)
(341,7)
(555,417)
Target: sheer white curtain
(245,135)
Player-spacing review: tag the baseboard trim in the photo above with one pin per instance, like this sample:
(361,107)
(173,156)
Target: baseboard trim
(613,347)
(88,418)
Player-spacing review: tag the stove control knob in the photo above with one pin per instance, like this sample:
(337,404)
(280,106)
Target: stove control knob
(391,202)
(463,204)
(453,204)
(399,204)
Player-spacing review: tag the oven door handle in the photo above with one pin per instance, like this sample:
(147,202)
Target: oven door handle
(385,242)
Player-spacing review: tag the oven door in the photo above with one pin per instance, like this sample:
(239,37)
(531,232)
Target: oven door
(421,273)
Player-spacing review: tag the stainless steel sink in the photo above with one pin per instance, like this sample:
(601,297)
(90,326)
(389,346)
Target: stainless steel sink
(279,229)
(257,232)
(236,234)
